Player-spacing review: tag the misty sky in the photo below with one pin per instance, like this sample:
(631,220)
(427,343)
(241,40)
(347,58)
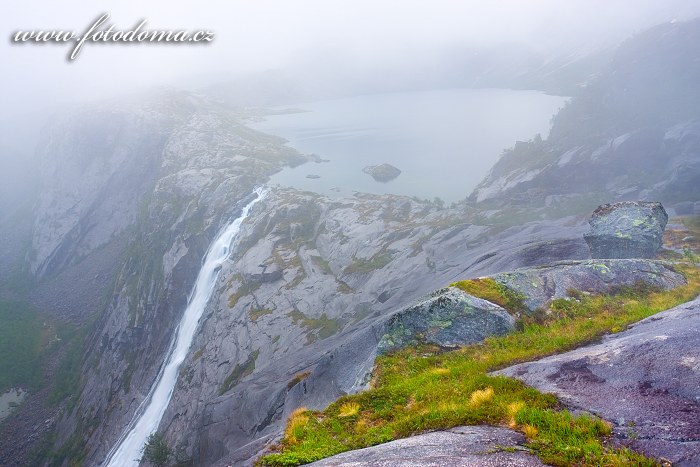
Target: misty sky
(257,35)
(264,34)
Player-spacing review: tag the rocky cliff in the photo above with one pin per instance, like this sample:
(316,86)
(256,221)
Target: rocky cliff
(294,317)
(133,192)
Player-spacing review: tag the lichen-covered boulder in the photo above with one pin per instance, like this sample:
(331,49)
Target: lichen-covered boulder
(540,285)
(628,229)
(448,318)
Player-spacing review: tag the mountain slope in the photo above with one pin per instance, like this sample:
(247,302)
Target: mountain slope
(633,133)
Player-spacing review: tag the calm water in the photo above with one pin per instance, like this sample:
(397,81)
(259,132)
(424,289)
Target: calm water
(443,141)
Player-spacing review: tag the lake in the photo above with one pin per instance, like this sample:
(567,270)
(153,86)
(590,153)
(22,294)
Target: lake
(443,141)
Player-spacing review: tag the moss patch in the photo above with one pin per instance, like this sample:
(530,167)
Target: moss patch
(256,313)
(239,372)
(490,290)
(362,265)
(325,326)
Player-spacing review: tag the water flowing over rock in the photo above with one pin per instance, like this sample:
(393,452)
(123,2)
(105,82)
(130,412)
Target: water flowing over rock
(653,368)
(447,318)
(628,229)
(147,417)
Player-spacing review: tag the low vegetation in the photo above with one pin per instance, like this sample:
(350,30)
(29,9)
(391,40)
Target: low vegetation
(490,290)
(421,389)
(156,450)
(364,266)
(22,336)
(239,372)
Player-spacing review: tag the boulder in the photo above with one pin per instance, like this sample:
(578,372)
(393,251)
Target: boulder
(628,229)
(382,172)
(645,380)
(541,284)
(464,446)
(448,318)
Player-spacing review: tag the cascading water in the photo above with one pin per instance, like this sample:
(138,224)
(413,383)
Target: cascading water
(127,450)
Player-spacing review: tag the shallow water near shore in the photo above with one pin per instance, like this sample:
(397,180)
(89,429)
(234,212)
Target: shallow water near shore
(443,141)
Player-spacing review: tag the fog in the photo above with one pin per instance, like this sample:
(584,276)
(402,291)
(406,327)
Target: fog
(318,37)
(272,34)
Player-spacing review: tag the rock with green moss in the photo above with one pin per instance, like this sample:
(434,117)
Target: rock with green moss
(447,318)
(540,285)
(628,229)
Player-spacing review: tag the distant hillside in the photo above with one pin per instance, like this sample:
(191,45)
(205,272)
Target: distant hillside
(633,133)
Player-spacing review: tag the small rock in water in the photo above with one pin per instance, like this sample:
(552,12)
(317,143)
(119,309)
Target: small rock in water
(383,172)
(313,176)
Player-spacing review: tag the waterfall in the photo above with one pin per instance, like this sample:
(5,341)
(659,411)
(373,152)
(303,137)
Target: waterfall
(127,451)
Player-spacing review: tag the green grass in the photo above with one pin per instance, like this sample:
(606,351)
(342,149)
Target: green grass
(364,266)
(490,290)
(22,338)
(67,380)
(421,389)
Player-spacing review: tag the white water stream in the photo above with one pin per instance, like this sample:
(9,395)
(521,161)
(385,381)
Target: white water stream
(128,449)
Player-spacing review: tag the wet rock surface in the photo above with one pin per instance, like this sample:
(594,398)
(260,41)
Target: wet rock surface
(645,380)
(466,446)
(540,285)
(311,336)
(628,229)
(447,318)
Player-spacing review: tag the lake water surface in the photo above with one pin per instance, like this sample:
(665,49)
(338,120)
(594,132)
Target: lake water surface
(444,141)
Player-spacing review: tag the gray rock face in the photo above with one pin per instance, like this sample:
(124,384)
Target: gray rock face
(540,285)
(629,229)
(447,318)
(646,380)
(347,266)
(465,446)
(138,192)
(383,172)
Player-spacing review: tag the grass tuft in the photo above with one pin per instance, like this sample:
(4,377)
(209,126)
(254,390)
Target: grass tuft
(490,290)
(297,421)
(349,409)
(513,409)
(530,432)
(480,397)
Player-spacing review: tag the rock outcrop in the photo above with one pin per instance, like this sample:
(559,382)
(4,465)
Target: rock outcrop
(383,172)
(446,318)
(540,285)
(628,229)
(464,446)
(653,371)
(268,344)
